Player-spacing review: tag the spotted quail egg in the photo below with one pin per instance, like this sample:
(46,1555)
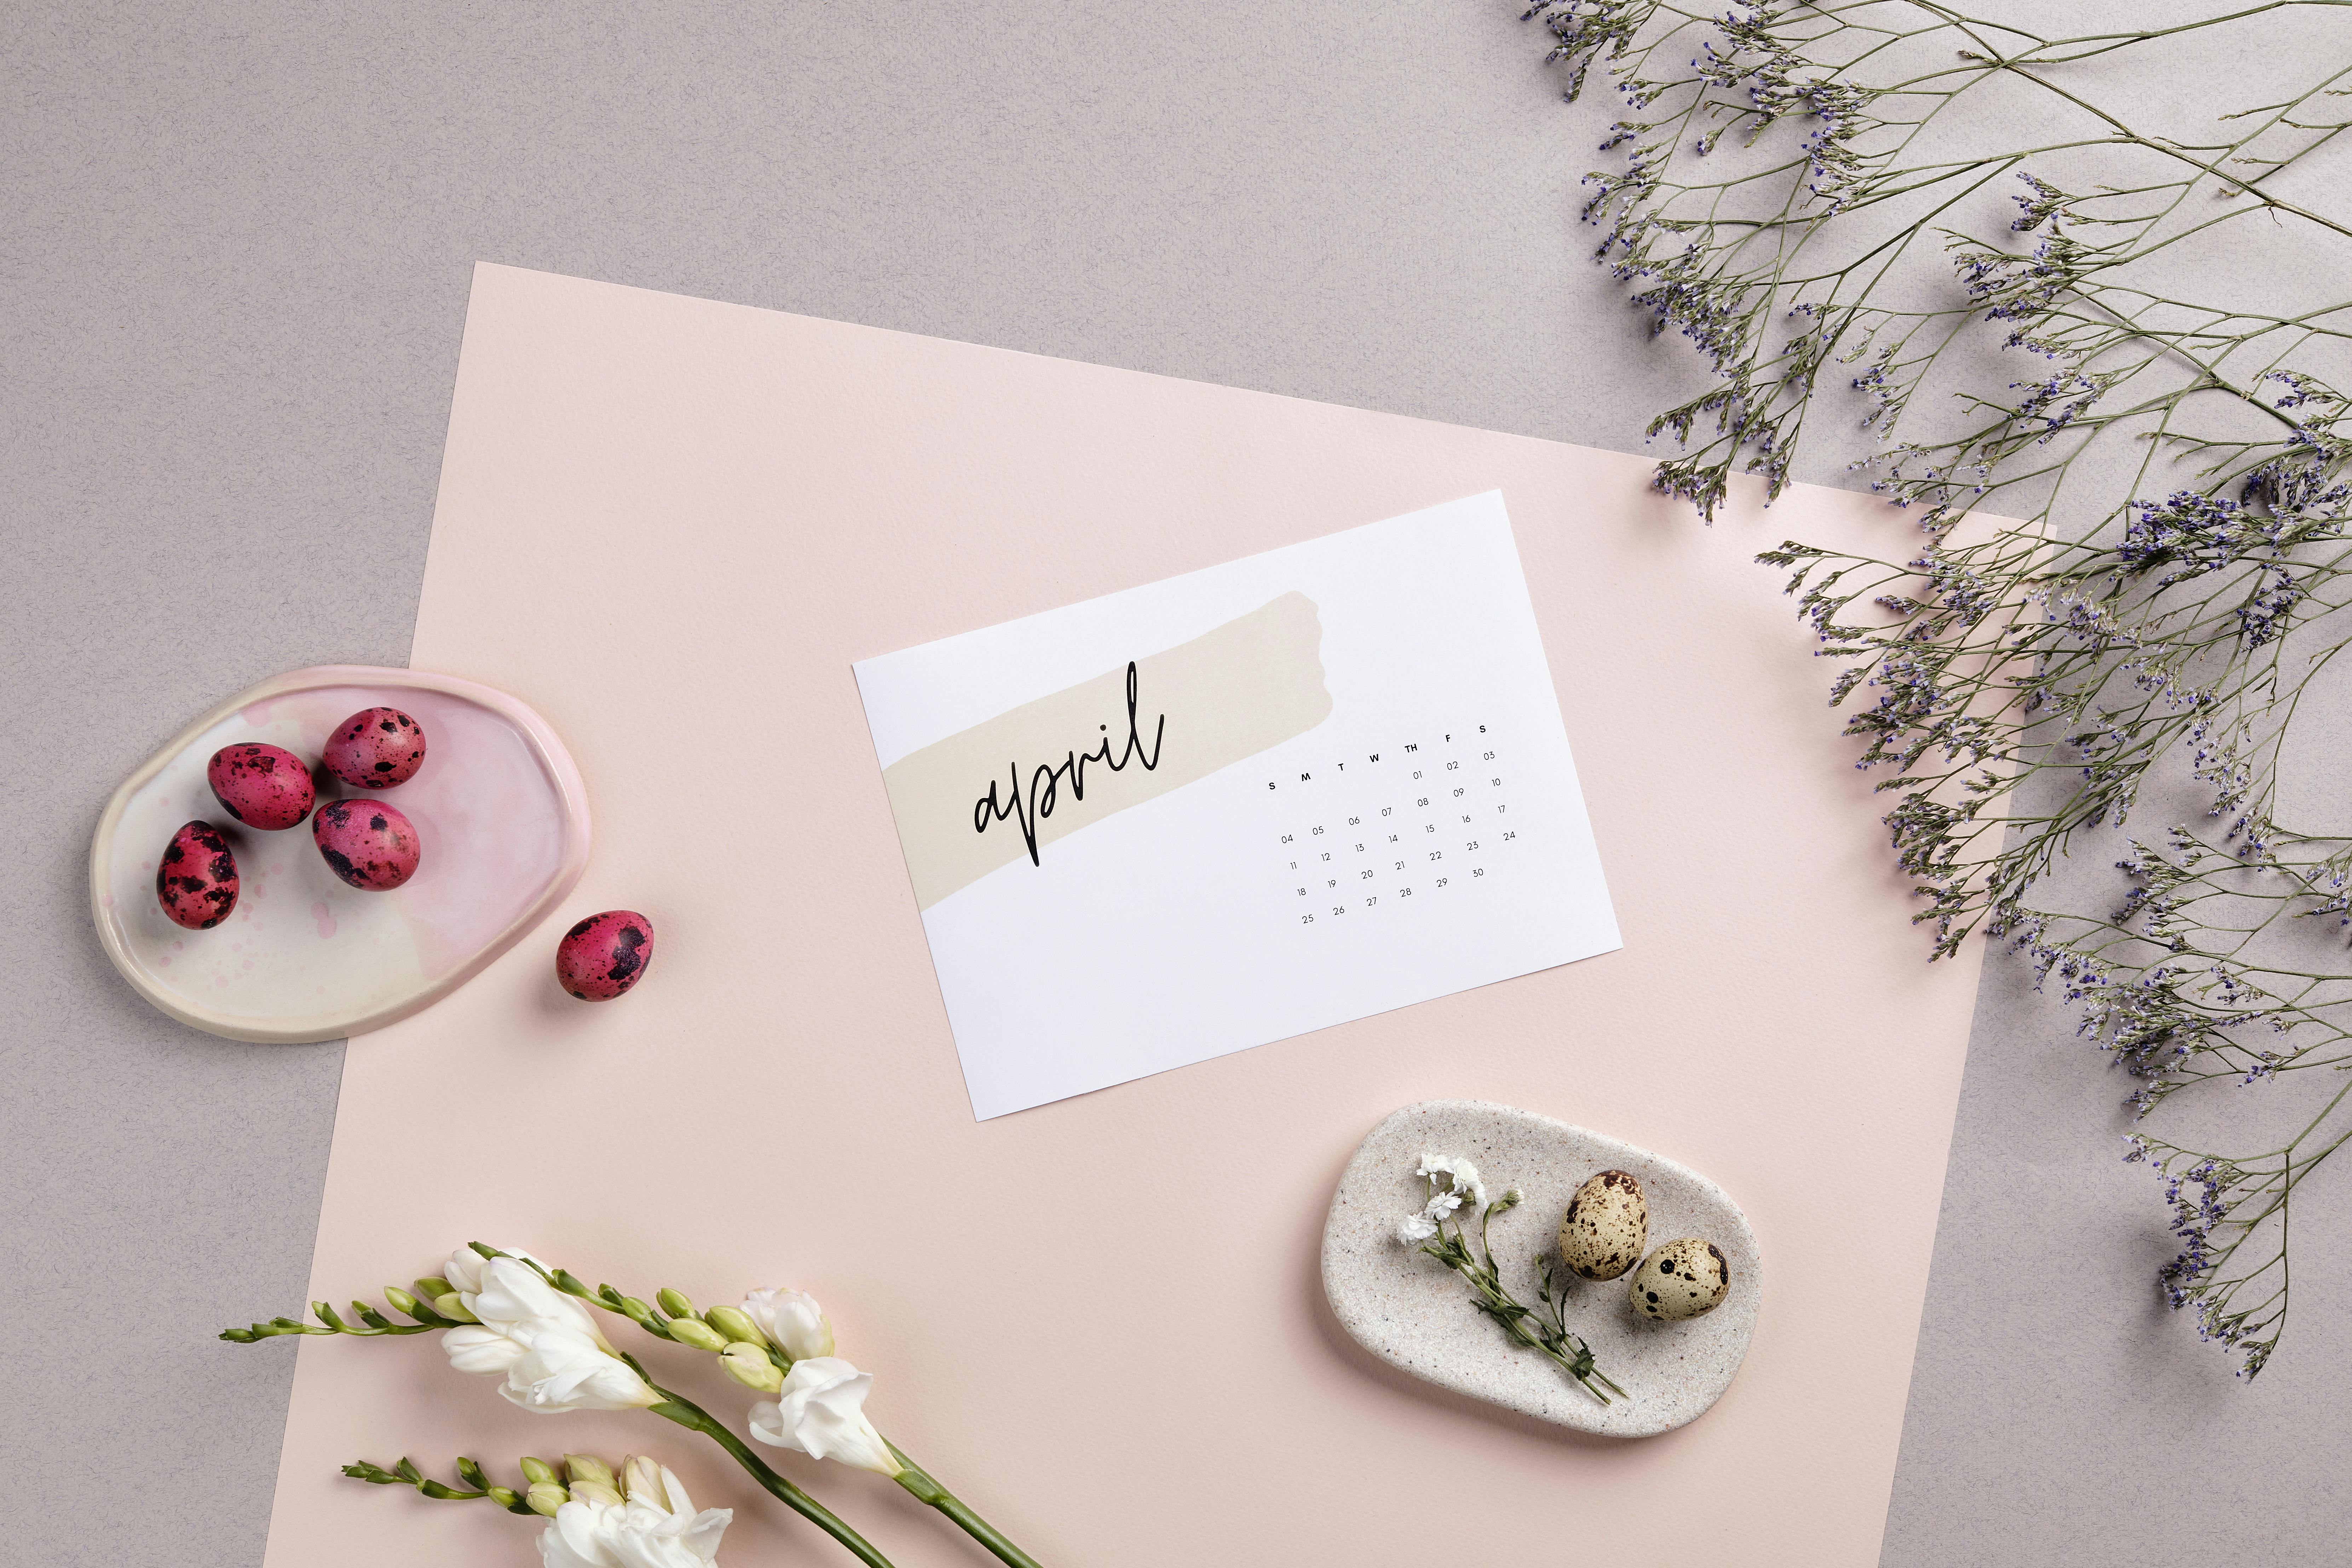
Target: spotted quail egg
(377,748)
(605,954)
(1606,1228)
(1682,1279)
(366,843)
(262,786)
(196,880)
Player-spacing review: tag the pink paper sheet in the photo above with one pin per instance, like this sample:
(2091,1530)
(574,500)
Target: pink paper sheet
(670,525)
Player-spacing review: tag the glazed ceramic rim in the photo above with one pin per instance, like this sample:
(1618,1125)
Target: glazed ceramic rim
(554,762)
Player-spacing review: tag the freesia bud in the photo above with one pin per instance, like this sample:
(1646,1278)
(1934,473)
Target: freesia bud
(400,1300)
(432,1287)
(699,1334)
(643,1480)
(505,1497)
(793,1320)
(545,1496)
(730,1321)
(596,1491)
(675,1302)
(464,1270)
(537,1470)
(450,1306)
(749,1365)
(587,1467)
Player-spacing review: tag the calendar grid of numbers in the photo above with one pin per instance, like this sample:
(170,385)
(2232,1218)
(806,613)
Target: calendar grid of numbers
(1419,818)
(1218,811)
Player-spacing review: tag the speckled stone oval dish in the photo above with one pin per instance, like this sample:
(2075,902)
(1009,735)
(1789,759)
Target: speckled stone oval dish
(1414,1313)
(498,804)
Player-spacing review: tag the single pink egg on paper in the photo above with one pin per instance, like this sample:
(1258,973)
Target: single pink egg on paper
(196,883)
(377,748)
(266,787)
(366,843)
(605,954)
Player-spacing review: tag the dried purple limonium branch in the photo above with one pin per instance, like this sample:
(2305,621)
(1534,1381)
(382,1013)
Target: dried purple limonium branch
(2132,559)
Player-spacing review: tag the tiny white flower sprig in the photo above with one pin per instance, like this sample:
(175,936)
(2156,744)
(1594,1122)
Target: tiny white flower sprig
(639,1518)
(1542,1327)
(1461,1181)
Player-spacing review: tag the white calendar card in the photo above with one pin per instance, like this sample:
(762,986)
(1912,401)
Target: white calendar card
(1236,806)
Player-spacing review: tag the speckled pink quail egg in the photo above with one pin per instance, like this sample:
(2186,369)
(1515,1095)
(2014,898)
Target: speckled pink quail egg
(605,954)
(375,748)
(366,843)
(1682,1279)
(266,787)
(196,880)
(1606,1228)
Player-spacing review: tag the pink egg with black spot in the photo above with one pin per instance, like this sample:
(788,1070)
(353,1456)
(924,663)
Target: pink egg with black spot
(196,880)
(262,786)
(605,954)
(377,748)
(366,843)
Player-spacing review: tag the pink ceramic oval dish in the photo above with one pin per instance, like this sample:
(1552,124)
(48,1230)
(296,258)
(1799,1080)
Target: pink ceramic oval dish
(501,818)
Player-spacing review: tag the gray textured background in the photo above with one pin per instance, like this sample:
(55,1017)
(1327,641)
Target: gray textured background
(232,274)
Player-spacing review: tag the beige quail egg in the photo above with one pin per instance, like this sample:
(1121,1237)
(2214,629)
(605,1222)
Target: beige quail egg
(1682,1279)
(1606,1228)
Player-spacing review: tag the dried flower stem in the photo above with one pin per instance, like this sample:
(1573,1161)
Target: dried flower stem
(1540,1328)
(2134,631)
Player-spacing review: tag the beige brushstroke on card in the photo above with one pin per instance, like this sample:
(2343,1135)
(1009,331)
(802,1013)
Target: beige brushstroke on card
(1003,790)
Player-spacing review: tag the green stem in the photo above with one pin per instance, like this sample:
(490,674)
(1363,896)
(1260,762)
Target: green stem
(1486,1281)
(921,1483)
(685,1413)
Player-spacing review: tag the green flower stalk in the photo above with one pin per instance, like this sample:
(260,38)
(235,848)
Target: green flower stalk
(592,1519)
(509,1314)
(469,1473)
(780,1343)
(1543,1326)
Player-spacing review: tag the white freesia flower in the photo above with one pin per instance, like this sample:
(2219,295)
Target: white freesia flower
(658,1527)
(822,1413)
(465,1271)
(794,1320)
(545,1343)
(567,1370)
(522,1294)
